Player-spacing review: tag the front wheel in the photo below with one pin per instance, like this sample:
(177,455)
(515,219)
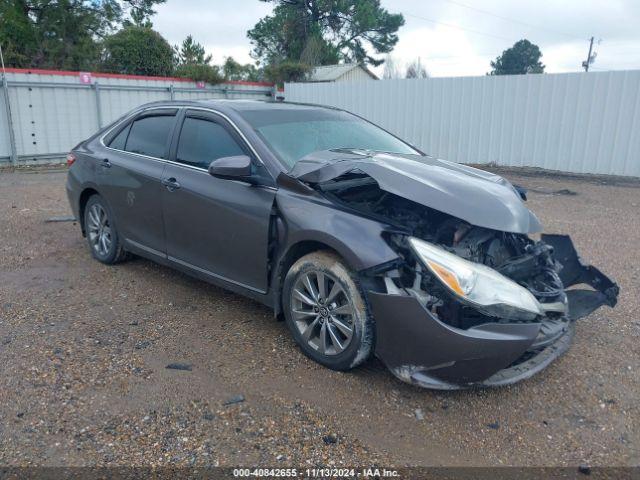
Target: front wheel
(101,232)
(326,312)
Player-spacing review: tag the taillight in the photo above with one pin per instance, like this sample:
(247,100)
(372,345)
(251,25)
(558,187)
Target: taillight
(70,159)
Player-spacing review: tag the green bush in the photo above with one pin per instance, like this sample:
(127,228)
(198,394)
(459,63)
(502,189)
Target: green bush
(287,71)
(137,50)
(200,73)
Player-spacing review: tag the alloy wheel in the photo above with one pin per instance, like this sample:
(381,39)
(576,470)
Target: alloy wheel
(322,312)
(99,230)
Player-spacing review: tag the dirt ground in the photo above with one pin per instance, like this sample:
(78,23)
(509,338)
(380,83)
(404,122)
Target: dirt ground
(84,349)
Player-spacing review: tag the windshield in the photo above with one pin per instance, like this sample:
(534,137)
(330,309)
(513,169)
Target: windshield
(293,133)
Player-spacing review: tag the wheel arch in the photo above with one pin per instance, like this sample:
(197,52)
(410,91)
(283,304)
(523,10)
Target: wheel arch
(84,197)
(290,256)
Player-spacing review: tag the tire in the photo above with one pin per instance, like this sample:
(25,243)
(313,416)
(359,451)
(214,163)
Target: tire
(99,224)
(311,318)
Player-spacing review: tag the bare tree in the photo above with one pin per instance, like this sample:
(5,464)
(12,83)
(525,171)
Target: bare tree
(416,70)
(391,69)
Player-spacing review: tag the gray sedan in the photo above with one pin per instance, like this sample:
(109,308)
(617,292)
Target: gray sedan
(361,242)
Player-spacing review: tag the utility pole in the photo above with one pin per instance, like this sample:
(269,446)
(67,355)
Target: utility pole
(590,58)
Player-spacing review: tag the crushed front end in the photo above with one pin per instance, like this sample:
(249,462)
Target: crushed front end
(466,305)
(430,332)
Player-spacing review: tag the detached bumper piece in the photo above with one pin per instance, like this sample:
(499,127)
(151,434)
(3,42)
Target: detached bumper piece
(421,349)
(581,302)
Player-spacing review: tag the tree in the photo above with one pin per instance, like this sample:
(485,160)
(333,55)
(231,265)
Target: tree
(234,70)
(286,72)
(416,70)
(138,51)
(200,73)
(523,57)
(141,11)
(322,32)
(192,61)
(41,34)
(63,34)
(191,53)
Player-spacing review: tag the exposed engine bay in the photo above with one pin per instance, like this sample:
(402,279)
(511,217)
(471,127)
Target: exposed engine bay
(529,263)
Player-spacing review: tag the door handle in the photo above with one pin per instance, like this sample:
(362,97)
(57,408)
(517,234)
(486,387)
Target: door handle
(105,163)
(171,184)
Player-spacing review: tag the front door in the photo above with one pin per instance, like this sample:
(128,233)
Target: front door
(215,226)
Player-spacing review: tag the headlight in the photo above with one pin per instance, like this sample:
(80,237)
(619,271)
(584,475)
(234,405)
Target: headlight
(477,284)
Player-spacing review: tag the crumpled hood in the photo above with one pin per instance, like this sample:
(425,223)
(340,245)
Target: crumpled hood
(475,196)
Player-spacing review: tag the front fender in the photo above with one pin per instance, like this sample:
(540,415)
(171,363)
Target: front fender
(357,239)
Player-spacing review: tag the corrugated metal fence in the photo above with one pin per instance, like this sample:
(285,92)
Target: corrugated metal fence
(575,122)
(52,111)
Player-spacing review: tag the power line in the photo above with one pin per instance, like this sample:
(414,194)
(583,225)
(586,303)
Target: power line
(600,67)
(450,25)
(633,42)
(486,12)
(471,55)
(621,54)
(617,69)
(477,32)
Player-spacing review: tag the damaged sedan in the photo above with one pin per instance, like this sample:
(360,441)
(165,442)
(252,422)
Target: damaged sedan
(362,243)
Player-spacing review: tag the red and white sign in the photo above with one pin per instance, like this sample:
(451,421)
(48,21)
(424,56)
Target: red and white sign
(85,77)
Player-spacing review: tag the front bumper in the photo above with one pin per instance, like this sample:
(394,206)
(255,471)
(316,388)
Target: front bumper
(421,349)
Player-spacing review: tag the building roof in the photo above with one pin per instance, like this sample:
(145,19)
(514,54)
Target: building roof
(329,73)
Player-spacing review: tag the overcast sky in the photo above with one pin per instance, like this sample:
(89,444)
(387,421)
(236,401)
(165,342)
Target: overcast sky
(451,37)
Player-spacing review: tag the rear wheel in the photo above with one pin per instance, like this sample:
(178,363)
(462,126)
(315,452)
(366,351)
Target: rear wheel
(101,232)
(326,312)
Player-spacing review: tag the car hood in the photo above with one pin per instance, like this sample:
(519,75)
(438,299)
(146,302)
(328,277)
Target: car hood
(475,196)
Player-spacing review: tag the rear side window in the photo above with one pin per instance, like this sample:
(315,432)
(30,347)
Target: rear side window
(202,141)
(149,135)
(119,140)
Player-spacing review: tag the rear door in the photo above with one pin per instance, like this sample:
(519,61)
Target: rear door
(130,176)
(215,226)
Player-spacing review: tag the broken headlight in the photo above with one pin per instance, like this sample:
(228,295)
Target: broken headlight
(477,285)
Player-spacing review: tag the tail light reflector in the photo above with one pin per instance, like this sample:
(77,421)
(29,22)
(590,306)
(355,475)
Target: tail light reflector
(70,159)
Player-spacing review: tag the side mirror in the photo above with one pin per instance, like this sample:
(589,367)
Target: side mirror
(233,168)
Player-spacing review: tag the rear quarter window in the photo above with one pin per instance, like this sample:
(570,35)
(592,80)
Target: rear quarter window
(118,142)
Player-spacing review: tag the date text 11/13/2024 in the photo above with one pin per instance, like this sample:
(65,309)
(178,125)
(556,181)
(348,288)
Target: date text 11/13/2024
(316,472)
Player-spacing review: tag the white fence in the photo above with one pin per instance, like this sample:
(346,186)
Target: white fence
(575,122)
(52,111)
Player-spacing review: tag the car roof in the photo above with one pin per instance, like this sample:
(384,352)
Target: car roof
(237,105)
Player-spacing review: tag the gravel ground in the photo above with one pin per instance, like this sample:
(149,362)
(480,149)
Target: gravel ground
(84,349)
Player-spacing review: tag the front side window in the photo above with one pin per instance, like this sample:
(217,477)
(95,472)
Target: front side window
(202,141)
(149,135)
